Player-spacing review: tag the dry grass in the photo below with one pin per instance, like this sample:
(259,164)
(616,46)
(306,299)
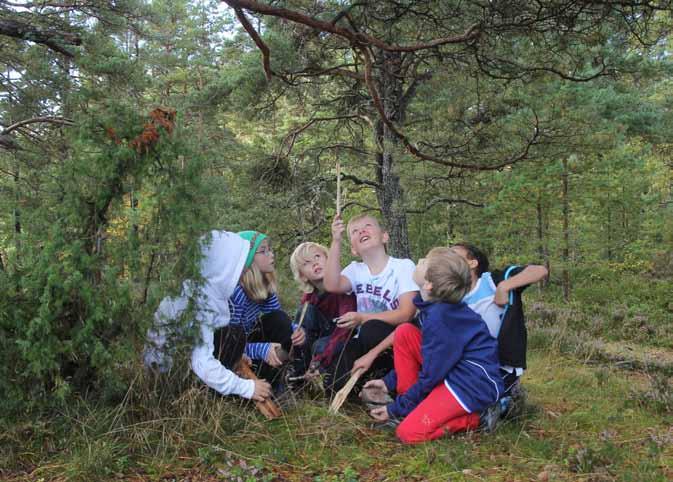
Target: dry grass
(584,422)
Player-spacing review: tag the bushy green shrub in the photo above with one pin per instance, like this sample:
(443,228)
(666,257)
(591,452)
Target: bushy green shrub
(95,257)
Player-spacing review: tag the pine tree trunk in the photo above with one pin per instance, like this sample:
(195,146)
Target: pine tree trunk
(542,243)
(17,214)
(566,233)
(390,193)
(609,229)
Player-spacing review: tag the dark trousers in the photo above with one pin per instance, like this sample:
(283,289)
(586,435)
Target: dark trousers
(510,380)
(273,327)
(371,334)
(318,327)
(229,344)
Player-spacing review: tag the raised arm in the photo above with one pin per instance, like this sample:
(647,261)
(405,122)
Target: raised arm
(333,280)
(530,274)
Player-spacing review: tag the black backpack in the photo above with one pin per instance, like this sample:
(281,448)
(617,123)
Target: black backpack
(513,337)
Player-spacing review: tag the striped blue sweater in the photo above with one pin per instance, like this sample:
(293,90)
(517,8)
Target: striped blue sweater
(245,312)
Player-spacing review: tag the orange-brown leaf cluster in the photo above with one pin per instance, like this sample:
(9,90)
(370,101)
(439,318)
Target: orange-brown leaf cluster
(143,142)
(150,134)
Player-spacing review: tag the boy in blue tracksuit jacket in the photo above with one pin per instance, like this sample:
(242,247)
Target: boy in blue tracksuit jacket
(447,371)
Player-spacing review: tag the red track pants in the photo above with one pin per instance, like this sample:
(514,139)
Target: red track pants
(440,413)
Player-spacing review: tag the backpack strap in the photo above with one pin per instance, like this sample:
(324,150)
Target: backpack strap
(510,301)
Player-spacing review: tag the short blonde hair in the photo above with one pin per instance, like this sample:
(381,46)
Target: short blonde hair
(449,274)
(257,285)
(300,254)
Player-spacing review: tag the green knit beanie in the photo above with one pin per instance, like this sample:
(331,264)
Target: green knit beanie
(255,239)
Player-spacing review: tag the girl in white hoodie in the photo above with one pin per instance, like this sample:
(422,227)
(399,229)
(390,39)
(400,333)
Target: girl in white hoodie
(221,345)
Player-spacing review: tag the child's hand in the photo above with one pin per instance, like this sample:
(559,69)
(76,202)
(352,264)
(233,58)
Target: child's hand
(350,320)
(378,384)
(272,357)
(365,361)
(501,297)
(338,228)
(298,337)
(380,414)
(246,359)
(262,390)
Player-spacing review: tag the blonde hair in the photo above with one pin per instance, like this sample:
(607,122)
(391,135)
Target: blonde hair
(300,254)
(257,285)
(449,274)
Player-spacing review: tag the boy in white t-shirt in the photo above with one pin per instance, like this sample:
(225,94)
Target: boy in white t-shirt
(383,285)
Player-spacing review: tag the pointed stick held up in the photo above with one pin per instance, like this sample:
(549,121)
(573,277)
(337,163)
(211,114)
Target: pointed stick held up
(268,407)
(342,394)
(338,193)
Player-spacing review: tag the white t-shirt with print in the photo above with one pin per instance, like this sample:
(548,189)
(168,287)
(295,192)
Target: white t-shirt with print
(381,292)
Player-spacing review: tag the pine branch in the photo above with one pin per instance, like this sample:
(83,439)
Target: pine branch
(54,39)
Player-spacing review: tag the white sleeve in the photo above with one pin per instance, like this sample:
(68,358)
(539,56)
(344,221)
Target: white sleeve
(213,373)
(405,276)
(351,273)
(154,353)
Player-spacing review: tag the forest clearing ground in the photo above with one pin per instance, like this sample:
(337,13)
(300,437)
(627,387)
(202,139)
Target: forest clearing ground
(582,421)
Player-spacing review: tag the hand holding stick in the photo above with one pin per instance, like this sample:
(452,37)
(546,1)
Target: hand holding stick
(301,322)
(268,408)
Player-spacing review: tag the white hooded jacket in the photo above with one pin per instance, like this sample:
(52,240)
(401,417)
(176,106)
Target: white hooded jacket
(221,266)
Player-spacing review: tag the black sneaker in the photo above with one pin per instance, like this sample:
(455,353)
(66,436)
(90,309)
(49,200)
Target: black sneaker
(388,425)
(488,419)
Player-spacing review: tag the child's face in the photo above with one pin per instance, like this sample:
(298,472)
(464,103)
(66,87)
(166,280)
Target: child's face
(366,234)
(420,280)
(312,267)
(264,258)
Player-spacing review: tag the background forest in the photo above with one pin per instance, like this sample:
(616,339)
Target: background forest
(540,131)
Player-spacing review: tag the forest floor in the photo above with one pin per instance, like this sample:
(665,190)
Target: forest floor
(604,413)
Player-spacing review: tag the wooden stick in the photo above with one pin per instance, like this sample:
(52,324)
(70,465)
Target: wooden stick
(342,394)
(338,193)
(301,322)
(268,407)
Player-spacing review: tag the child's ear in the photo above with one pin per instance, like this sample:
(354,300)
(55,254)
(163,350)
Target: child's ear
(385,237)
(427,286)
(473,264)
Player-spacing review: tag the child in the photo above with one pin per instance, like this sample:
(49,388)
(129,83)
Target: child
(255,307)
(496,297)
(383,285)
(447,371)
(221,346)
(324,339)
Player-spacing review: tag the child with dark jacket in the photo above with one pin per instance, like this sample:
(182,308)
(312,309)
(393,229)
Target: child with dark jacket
(446,371)
(324,339)
(496,297)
